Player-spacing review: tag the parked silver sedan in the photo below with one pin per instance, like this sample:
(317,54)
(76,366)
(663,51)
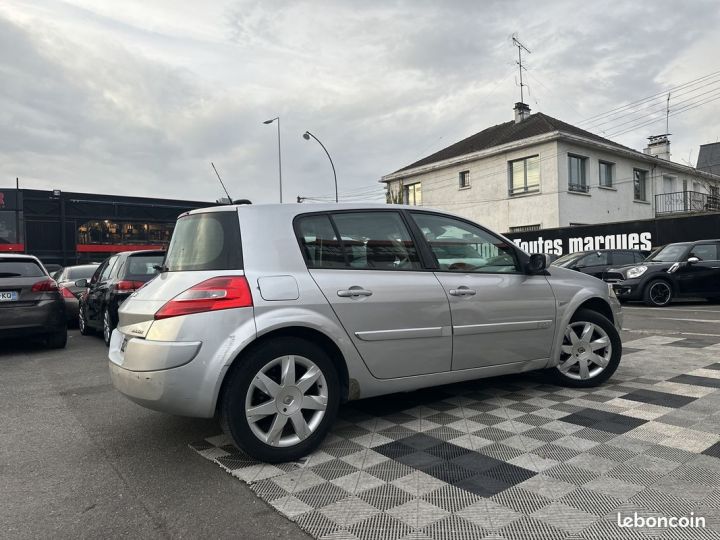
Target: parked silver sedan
(270,316)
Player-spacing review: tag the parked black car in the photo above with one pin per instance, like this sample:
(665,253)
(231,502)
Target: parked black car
(684,269)
(597,262)
(66,278)
(114,280)
(30,303)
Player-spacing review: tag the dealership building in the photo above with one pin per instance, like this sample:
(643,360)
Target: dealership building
(70,228)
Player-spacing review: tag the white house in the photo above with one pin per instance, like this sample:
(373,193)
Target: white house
(537,172)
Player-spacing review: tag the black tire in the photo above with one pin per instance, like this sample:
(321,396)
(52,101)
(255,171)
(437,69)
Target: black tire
(232,401)
(658,293)
(85,329)
(58,340)
(596,318)
(108,325)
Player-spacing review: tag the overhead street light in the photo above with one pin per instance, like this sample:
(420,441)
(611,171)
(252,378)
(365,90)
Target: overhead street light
(279,155)
(307,136)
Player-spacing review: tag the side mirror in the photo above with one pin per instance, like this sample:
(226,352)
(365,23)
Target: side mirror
(693,260)
(537,263)
(81,283)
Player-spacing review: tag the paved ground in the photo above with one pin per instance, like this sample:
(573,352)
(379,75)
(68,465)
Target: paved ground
(78,460)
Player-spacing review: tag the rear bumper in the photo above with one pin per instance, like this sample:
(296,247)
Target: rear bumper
(45,317)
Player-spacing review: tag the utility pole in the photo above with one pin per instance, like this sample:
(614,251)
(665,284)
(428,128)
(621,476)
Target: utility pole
(521,48)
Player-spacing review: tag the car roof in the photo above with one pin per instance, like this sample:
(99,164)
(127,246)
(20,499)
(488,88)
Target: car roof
(141,252)
(18,256)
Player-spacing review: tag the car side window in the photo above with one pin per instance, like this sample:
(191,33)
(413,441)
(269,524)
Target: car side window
(704,252)
(623,257)
(461,247)
(599,258)
(639,257)
(105,275)
(376,241)
(96,276)
(319,242)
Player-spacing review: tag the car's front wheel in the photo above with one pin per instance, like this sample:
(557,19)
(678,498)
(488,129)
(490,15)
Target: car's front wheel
(658,293)
(590,352)
(280,400)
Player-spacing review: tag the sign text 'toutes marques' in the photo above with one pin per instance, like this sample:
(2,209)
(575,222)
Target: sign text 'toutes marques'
(559,246)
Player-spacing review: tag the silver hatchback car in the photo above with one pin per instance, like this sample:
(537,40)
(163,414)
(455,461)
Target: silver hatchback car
(270,316)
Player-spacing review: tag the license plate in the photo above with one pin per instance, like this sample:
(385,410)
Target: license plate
(10,296)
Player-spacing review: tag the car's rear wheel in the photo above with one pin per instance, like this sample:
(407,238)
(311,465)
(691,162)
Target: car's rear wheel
(590,352)
(57,340)
(108,326)
(280,400)
(658,293)
(85,330)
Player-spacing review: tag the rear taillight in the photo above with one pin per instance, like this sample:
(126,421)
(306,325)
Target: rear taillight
(216,293)
(67,293)
(47,285)
(128,286)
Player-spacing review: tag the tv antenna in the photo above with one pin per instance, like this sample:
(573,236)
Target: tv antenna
(221,182)
(521,48)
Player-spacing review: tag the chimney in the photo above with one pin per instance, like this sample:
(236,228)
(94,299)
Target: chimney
(658,146)
(522,111)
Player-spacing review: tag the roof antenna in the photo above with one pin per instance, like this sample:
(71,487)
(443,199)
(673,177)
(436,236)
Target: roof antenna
(221,183)
(521,48)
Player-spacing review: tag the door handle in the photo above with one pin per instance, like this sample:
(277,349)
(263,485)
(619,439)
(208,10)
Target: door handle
(353,292)
(462,291)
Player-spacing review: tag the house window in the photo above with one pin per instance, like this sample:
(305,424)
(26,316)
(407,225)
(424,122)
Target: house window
(413,194)
(668,184)
(606,173)
(640,184)
(525,228)
(524,175)
(576,173)
(714,191)
(464,178)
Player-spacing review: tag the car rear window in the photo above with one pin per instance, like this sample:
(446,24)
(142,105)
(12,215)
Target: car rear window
(206,241)
(141,267)
(80,272)
(10,268)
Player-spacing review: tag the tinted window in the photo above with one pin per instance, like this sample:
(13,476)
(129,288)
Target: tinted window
(705,252)
(624,257)
(209,241)
(670,253)
(108,269)
(461,247)
(141,267)
(20,268)
(79,272)
(377,241)
(639,257)
(593,259)
(319,242)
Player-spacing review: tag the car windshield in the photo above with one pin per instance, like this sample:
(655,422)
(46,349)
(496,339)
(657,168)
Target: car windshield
(206,241)
(670,253)
(561,261)
(20,268)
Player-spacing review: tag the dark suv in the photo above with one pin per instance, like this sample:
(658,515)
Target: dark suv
(597,262)
(685,269)
(115,279)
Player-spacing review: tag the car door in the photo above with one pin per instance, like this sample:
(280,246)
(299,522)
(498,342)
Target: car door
(369,269)
(500,315)
(701,278)
(98,290)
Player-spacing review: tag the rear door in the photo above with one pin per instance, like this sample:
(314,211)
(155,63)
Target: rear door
(500,315)
(369,269)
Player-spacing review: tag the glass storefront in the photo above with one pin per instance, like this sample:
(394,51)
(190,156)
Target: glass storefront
(124,232)
(8,227)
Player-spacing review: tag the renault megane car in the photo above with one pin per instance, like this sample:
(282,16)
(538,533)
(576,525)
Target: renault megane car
(270,316)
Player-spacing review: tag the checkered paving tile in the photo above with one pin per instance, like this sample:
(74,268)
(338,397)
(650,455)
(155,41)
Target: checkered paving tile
(513,457)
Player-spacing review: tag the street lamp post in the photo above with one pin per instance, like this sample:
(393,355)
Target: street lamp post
(279,155)
(307,136)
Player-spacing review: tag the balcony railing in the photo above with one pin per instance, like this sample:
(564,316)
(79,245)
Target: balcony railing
(682,202)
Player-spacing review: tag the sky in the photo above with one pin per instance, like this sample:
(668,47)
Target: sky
(138,97)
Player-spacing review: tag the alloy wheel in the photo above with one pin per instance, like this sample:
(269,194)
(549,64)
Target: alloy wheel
(286,401)
(585,352)
(106,326)
(660,293)
(81,320)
